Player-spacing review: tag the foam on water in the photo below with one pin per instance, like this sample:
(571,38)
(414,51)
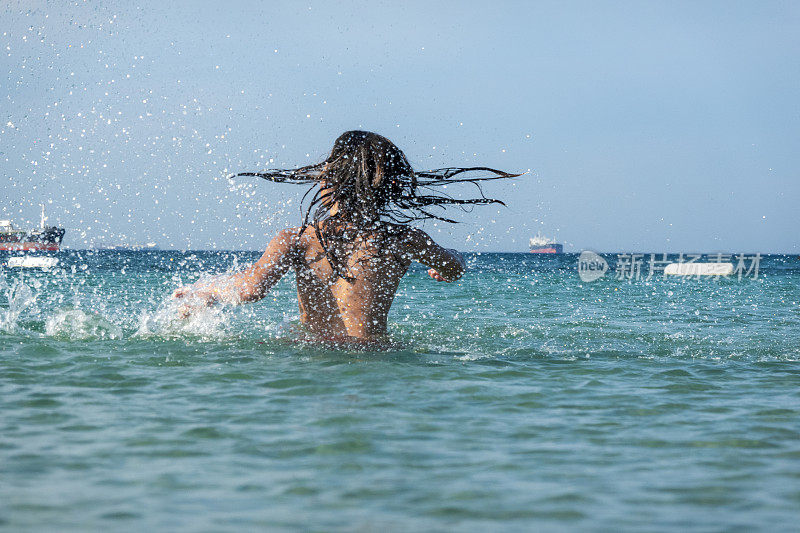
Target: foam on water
(75,324)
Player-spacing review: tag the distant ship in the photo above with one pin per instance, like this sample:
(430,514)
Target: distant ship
(47,238)
(127,247)
(542,245)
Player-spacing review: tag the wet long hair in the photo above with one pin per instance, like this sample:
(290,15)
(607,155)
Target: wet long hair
(376,189)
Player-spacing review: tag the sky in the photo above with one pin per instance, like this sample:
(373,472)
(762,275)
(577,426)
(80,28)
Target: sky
(642,126)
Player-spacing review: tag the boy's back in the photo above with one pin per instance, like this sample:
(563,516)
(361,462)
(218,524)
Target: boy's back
(334,307)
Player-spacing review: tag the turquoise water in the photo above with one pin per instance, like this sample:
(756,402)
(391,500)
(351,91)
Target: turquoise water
(522,399)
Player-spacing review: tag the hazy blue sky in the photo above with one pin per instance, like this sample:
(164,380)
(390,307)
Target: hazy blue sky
(647,126)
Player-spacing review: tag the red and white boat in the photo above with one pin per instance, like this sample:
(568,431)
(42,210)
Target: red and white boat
(45,238)
(542,245)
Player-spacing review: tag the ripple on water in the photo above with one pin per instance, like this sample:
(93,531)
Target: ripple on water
(120,515)
(204,432)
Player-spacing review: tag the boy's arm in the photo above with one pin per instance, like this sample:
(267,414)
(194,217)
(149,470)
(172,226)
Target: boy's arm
(253,283)
(446,265)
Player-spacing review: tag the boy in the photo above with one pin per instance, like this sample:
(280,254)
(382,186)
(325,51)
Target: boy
(350,255)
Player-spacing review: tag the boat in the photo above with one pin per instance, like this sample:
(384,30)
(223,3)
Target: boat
(698,269)
(28,261)
(543,245)
(46,238)
(127,247)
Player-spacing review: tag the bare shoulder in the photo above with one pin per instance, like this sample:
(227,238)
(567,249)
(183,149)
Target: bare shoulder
(289,231)
(414,239)
(419,246)
(415,244)
(288,236)
(285,241)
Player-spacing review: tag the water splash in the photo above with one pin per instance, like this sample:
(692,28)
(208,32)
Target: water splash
(20,297)
(171,319)
(74,324)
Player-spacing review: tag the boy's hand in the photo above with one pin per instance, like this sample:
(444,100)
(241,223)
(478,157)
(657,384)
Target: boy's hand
(435,275)
(192,299)
(180,292)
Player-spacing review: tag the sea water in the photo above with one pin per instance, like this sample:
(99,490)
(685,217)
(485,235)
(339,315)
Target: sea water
(517,398)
